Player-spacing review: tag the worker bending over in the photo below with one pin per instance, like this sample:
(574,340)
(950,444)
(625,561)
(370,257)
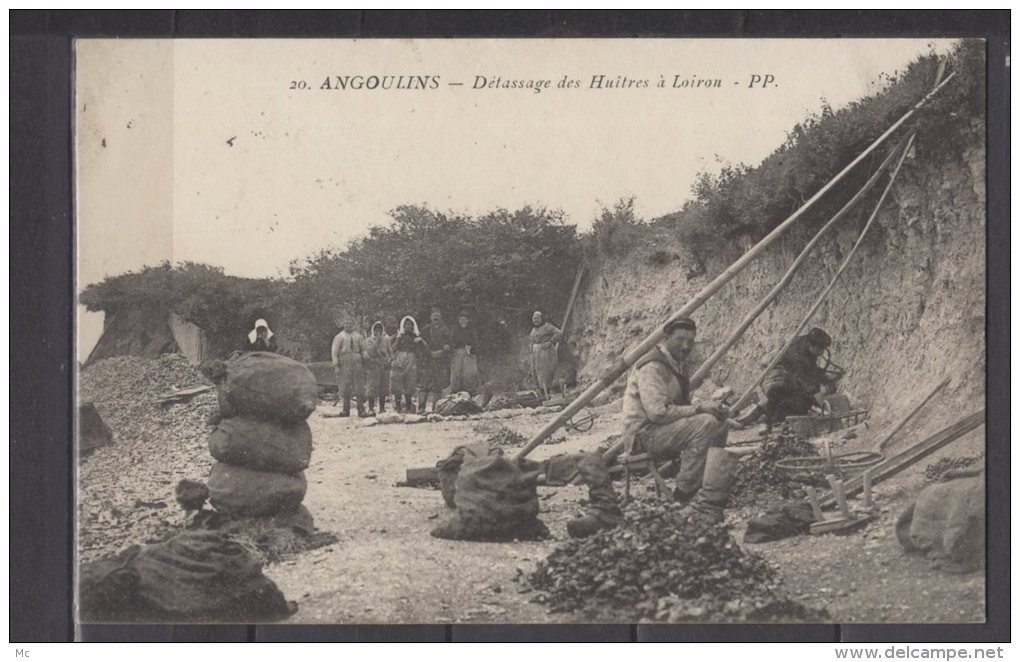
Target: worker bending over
(789,388)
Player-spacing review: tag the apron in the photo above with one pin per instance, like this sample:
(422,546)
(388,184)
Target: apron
(404,373)
(349,374)
(543,362)
(463,372)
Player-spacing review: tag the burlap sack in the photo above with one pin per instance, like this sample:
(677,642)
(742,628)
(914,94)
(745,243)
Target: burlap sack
(244,492)
(202,574)
(262,445)
(449,468)
(268,385)
(494,500)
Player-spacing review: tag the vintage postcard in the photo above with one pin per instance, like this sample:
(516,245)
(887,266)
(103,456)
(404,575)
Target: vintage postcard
(530,330)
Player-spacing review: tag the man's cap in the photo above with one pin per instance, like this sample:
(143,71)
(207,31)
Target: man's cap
(680,323)
(819,338)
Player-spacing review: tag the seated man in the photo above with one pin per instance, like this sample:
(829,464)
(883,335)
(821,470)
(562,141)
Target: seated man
(660,420)
(790,387)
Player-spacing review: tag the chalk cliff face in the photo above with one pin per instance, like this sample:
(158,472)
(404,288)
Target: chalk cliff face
(908,311)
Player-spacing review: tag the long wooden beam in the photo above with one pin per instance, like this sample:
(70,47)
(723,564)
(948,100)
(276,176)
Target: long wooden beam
(913,412)
(625,362)
(911,456)
(746,397)
(565,324)
(702,372)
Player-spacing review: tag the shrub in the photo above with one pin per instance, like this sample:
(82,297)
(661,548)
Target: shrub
(616,229)
(745,200)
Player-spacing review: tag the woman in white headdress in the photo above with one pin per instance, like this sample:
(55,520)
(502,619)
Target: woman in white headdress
(378,356)
(407,345)
(260,339)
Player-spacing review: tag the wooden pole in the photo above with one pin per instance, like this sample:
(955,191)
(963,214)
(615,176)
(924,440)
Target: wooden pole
(703,370)
(885,442)
(565,324)
(745,398)
(623,364)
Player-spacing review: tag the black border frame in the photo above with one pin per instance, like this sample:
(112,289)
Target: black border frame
(42,356)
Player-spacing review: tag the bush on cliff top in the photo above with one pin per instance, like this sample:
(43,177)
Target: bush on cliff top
(754,200)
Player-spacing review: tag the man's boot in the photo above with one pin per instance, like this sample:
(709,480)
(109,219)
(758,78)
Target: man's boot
(603,510)
(408,404)
(362,413)
(683,498)
(382,404)
(714,495)
(752,416)
(347,408)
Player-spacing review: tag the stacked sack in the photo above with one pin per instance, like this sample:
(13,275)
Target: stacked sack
(262,444)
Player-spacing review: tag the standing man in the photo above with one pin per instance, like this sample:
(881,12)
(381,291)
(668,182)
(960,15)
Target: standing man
(660,420)
(435,377)
(789,388)
(463,362)
(545,338)
(348,352)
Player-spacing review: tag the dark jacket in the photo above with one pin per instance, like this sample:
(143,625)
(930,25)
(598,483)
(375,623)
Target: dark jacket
(437,336)
(799,369)
(463,337)
(261,345)
(406,343)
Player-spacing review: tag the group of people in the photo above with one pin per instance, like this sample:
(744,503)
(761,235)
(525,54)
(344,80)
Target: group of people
(416,364)
(428,362)
(659,417)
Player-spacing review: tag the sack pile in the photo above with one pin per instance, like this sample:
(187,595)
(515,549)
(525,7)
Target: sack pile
(457,404)
(493,498)
(263,444)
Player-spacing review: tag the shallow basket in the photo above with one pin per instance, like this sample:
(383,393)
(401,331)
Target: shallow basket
(814,426)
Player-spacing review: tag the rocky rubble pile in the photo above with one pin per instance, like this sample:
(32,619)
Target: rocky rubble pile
(661,565)
(504,436)
(126,490)
(934,472)
(758,479)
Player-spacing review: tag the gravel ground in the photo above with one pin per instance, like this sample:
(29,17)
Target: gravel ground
(386,568)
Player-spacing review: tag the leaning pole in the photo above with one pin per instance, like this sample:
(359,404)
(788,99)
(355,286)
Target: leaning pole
(624,363)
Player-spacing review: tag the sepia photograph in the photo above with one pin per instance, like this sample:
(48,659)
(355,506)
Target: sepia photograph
(551,331)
